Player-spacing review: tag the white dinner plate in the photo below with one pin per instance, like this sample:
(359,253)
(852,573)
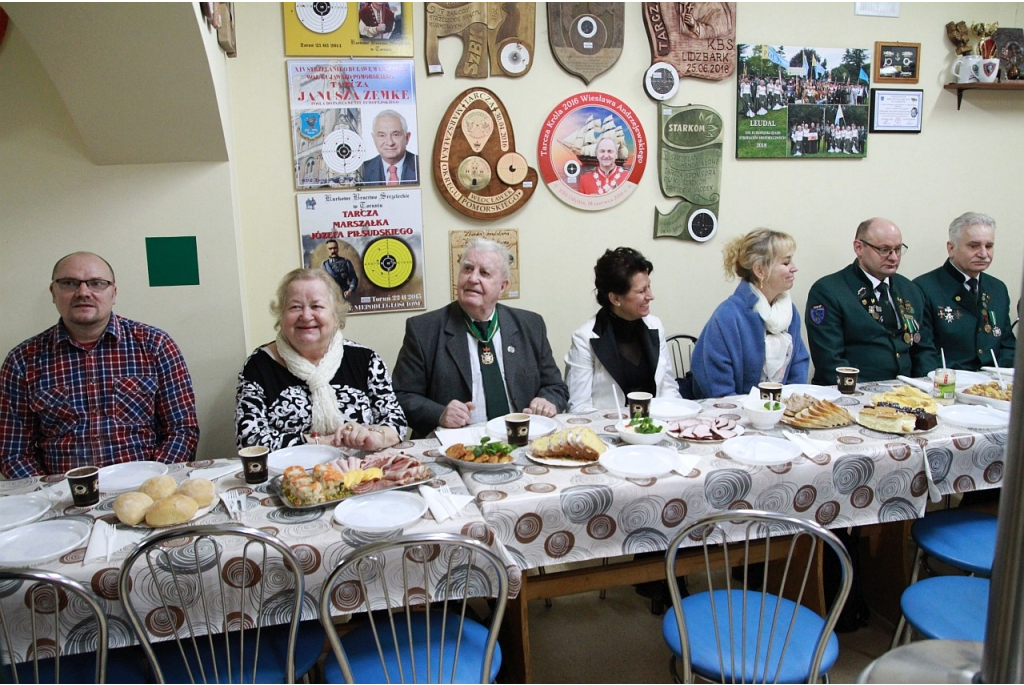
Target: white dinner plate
(639,461)
(821,392)
(963,397)
(380,512)
(539,425)
(760,450)
(974,416)
(306,456)
(42,541)
(965,379)
(129,475)
(668,409)
(18,510)
(1007,372)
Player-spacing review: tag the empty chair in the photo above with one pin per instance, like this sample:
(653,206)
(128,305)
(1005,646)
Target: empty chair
(681,348)
(961,538)
(52,599)
(225,600)
(947,607)
(737,632)
(418,625)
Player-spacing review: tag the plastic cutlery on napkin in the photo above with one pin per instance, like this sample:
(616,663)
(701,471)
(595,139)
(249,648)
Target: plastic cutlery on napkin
(810,448)
(444,507)
(103,543)
(924,386)
(216,472)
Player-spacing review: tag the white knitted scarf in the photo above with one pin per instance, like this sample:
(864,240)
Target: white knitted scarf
(778,343)
(327,418)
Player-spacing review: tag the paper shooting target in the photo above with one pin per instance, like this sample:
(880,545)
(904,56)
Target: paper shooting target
(321,17)
(343,151)
(388,262)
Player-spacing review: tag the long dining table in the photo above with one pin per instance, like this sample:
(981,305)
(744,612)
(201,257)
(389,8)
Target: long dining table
(536,515)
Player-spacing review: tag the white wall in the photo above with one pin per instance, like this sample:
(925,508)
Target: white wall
(962,161)
(54,200)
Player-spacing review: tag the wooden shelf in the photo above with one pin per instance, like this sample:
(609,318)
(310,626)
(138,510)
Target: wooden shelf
(959,88)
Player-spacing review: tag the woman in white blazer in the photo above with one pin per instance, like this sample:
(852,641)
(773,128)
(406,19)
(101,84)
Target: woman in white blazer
(623,345)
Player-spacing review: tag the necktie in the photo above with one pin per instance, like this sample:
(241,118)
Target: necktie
(490,372)
(972,285)
(887,308)
(392,175)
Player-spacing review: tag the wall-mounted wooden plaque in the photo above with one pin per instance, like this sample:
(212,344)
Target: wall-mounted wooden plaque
(586,37)
(697,38)
(497,37)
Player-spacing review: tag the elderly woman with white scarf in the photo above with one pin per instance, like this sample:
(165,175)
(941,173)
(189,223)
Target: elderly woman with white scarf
(312,385)
(754,335)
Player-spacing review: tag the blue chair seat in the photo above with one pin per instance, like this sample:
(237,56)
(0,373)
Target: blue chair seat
(959,537)
(365,661)
(273,655)
(704,648)
(127,665)
(948,607)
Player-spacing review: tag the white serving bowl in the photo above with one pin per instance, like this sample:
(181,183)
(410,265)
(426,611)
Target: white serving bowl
(634,438)
(762,418)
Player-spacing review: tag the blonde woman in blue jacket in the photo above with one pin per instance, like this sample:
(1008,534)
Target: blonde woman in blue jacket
(754,335)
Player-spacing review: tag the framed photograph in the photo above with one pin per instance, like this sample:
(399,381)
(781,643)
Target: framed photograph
(896,111)
(897,62)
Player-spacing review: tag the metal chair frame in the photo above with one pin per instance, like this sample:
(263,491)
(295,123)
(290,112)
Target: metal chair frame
(47,582)
(675,347)
(368,564)
(757,527)
(203,631)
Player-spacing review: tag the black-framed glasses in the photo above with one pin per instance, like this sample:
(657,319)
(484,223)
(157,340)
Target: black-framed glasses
(886,251)
(70,285)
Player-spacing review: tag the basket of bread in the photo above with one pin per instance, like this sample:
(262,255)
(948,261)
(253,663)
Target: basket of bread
(570,447)
(904,409)
(804,411)
(160,502)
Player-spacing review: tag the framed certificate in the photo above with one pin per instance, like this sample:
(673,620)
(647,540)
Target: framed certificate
(896,111)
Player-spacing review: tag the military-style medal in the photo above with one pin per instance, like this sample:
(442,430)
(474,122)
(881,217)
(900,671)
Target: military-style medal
(486,353)
(486,356)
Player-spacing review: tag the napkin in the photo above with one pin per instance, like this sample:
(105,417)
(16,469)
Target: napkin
(810,448)
(933,490)
(58,491)
(923,386)
(444,507)
(685,463)
(123,537)
(215,472)
(467,436)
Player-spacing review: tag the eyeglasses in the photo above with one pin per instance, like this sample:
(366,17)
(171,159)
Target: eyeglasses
(886,251)
(70,285)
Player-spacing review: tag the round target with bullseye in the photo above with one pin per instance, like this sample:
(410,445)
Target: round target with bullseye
(702,225)
(321,17)
(388,262)
(343,151)
(514,58)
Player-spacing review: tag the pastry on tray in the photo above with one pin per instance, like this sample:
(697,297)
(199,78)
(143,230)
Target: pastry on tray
(578,443)
(804,411)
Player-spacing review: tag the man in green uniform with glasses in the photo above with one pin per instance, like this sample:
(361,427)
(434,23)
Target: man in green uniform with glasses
(968,309)
(868,316)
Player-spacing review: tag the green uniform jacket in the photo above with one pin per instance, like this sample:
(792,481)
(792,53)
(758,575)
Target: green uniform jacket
(843,329)
(964,328)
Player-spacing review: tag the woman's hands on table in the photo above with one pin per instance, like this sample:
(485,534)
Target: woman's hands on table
(360,437)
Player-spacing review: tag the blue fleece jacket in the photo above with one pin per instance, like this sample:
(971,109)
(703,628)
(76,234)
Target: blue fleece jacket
(729,356)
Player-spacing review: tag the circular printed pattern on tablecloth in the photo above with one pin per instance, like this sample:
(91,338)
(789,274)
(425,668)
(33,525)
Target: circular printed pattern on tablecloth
(490,495)
(478,530)
(963,483)
(308,556)
(569,155)
(528,527)
(644,540)
(601,527)
(579,503)
(940,460)
(725,486)
(994,472)
(804,498)
(962,441)
(541,488)
(577,421)
(827,512)
(559,543)
(104,583)
(673,513)
(862,496)
(898,451)
(919,484)
(897,509)
(850,473)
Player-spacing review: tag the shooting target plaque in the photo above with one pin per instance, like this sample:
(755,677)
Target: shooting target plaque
(586,37)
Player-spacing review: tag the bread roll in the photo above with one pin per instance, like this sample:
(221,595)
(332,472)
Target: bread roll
(131,507)
(199,489)
(159,487)
(171,511)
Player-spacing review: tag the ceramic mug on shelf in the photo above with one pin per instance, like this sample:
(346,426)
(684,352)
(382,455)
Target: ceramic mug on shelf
(967,69)
(989,70)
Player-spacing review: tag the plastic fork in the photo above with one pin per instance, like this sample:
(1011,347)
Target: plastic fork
(109,533)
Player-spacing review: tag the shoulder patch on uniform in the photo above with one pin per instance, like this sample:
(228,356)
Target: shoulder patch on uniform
(818,313)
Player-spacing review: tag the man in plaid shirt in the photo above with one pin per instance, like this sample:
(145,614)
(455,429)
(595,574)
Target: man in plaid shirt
(96,388)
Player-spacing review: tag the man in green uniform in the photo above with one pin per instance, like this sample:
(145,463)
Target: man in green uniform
(868,316)
(969,311)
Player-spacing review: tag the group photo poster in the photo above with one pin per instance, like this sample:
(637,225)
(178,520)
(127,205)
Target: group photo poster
(353,123)
(509,237)
(370,242)
(802,102)
(348,29)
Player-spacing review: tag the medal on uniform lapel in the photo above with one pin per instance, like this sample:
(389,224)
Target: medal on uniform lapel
(486,353)
(908,338)
(997,331)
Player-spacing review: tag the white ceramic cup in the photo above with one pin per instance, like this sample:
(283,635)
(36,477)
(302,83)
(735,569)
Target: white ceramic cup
(967,69)
(989,72)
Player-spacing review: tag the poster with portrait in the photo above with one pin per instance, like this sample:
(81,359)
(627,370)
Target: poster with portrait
(348,29)
(592,151)
(509,237)
(371,242)
(353,123)
(802,102)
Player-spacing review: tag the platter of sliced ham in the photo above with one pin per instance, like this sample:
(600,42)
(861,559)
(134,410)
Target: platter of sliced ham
(708,429)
